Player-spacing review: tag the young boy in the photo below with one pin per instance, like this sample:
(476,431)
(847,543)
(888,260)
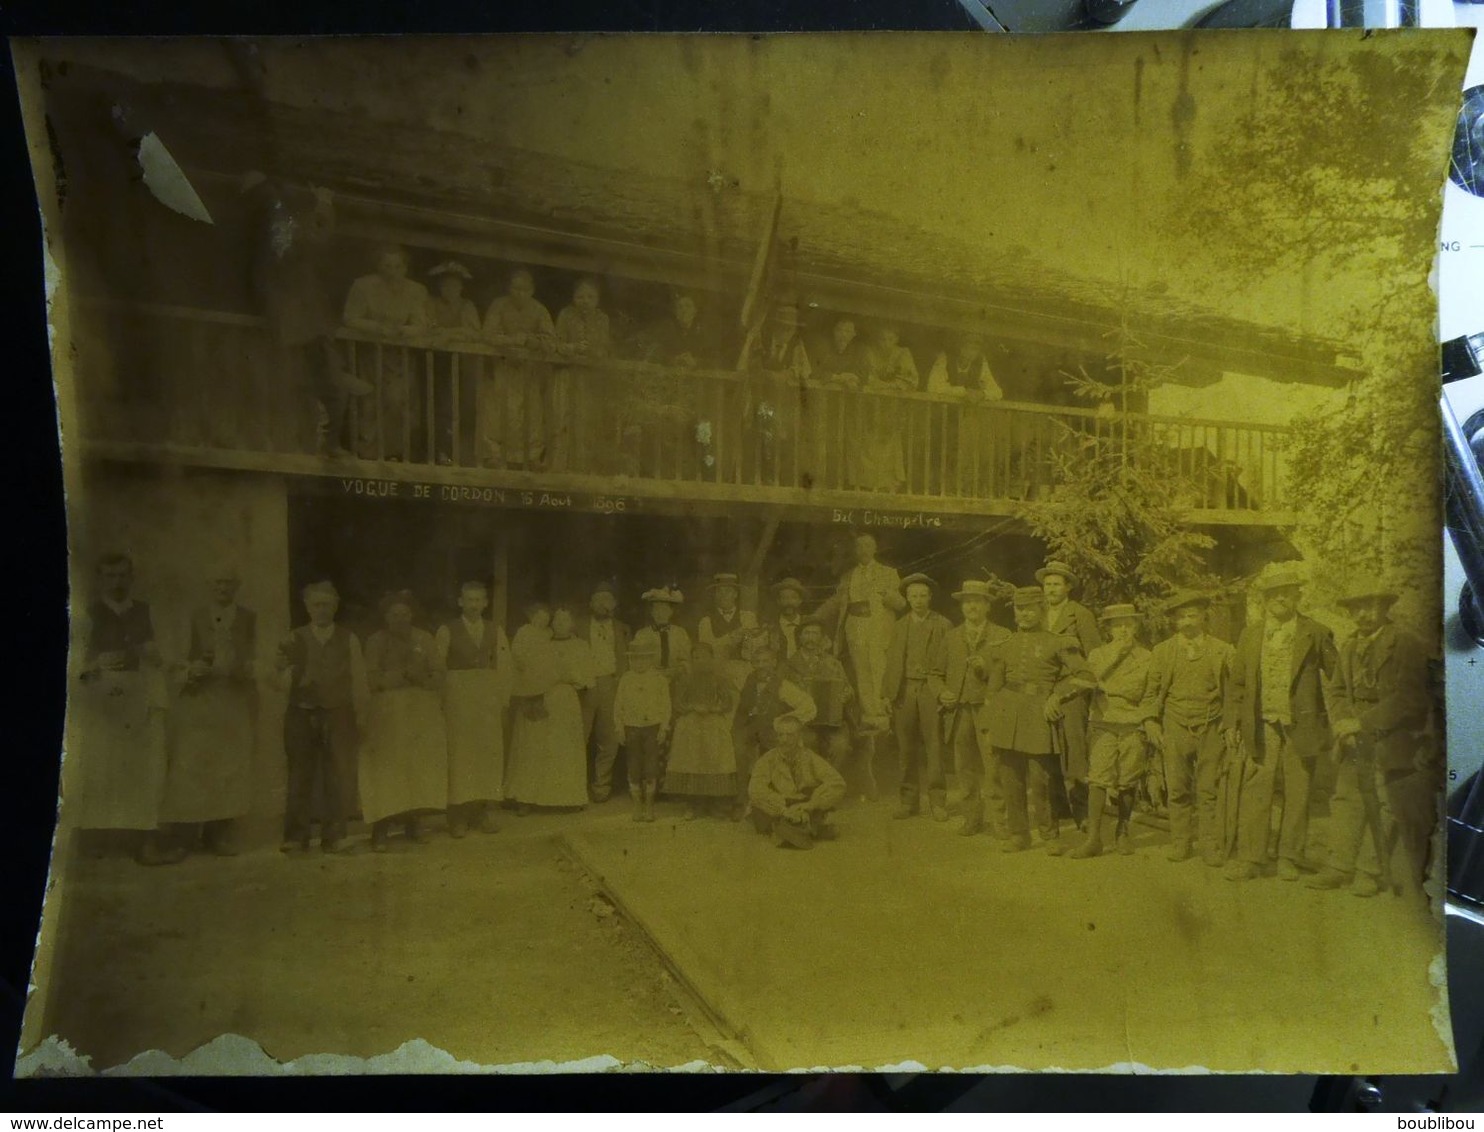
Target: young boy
(641,714)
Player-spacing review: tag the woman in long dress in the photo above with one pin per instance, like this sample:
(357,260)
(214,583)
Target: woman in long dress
(548,744)
(404,754)
(511,408)
(582,332)
(703,764)
(387,305)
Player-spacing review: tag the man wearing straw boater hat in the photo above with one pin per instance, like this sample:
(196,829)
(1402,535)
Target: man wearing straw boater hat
(1038,672)
(1385,795)
(1076,622)
(1190,670)
(970,657)
(916,669)
(726,627)
(671,642)
(1122,703)
(1274,719)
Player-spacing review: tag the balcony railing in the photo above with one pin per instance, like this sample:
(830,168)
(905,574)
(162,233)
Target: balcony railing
(213,382)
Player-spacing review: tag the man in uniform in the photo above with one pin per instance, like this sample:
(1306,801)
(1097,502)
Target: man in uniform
(1190,671)
(822,676)
(1033,675)
(865,606)
(766,694)
(970,648)
(1122,703)
(1275,718)
(608,638)
(793,790)
(916,668)
(322,668)
(1076,621)
(1380,702)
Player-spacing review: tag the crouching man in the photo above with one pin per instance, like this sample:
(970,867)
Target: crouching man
(793,790)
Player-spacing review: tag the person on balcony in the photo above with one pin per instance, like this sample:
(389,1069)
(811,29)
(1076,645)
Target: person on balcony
(292,261)
(582,333)
(838,363)
(404,755)
(453,323)
(778,366)
(213,723)
(321,667)
(876,458)
(965,377)
(475,654)
(726,627)
(115,773)
(702,767)
(1075,621)
(548,749)
(671,642)
(511,410)
(386,305)
(680,339)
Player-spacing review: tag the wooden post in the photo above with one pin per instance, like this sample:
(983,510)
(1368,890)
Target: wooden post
(500,582)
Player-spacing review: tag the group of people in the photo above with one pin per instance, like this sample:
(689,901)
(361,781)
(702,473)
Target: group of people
(1066,718)
(523,400)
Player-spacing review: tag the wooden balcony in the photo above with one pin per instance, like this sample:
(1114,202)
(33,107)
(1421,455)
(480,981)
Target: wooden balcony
(212,389)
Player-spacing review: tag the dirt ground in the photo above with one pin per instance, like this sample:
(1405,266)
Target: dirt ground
(898,942)
(902,942)
(495,948)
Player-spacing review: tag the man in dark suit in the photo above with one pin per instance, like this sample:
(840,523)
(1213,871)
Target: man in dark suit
(914,679)
(970,649)
(608,638)
(1275,710)
(1380,702)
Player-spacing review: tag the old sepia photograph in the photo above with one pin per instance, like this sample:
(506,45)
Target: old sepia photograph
(746,552)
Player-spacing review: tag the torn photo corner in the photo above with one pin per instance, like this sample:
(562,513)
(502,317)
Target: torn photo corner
(747,552)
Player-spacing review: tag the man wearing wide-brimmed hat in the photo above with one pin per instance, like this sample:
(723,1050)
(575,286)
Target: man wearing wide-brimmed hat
(671,641)
(1122,703)
(970,657)
(1190,670)
(783,630)
(1275,710)
(1035,674)
(1385,789)
(912,687)
(1076,622)
(817,671)
(725,626)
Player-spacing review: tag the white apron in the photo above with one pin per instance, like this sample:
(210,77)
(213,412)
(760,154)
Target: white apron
(473,709)
(114,776)
(404,755)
